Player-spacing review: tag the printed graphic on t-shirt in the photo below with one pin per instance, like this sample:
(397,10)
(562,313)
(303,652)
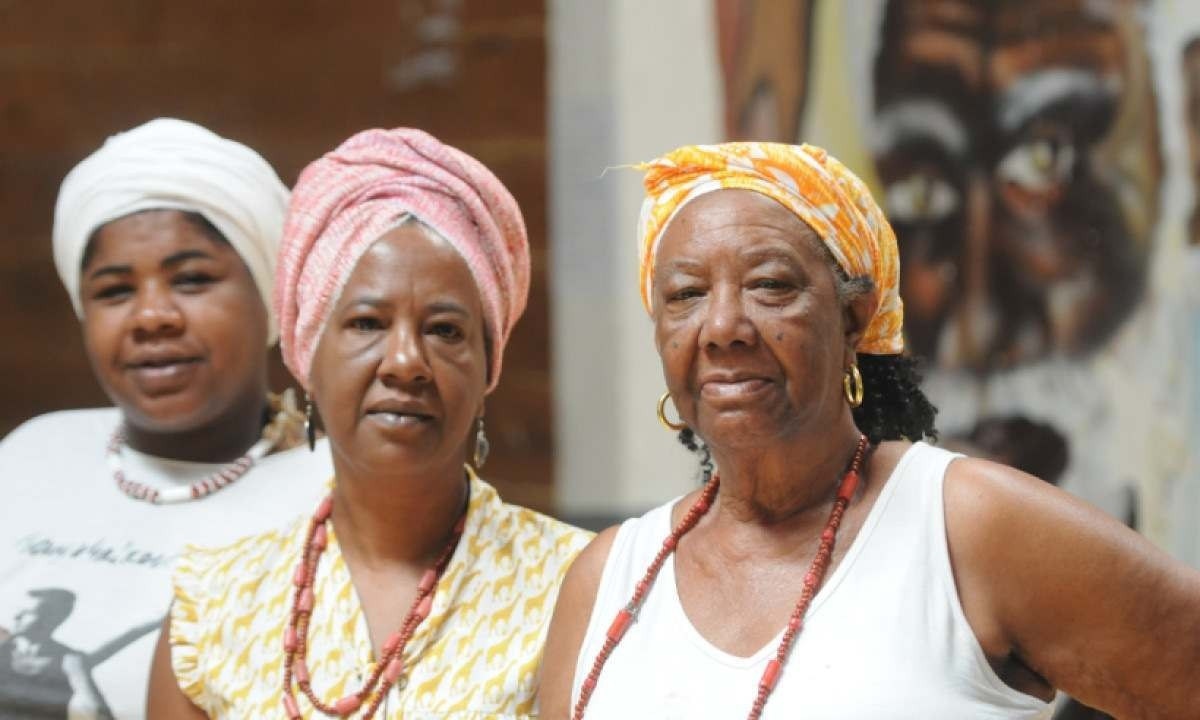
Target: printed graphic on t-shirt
(100,551)
(42,677)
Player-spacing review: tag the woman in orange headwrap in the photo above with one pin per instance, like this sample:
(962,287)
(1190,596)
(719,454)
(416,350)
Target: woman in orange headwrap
(834,564)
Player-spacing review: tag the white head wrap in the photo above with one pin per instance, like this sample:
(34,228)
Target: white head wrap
(174,165)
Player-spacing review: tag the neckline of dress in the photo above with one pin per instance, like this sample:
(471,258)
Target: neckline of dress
(675,606)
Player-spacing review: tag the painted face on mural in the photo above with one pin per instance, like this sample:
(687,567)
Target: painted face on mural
(1017,147)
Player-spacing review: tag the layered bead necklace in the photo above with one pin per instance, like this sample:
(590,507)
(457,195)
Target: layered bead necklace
(812,581)
(280,431)
(391,661)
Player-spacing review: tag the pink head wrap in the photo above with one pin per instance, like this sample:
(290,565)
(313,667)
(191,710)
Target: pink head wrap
(346,200)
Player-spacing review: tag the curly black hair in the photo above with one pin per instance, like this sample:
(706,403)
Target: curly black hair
(690,440)
(894,407)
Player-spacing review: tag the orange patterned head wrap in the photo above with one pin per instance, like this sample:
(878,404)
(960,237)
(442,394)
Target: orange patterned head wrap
(804,179)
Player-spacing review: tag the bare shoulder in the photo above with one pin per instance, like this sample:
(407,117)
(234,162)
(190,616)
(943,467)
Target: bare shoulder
(1087,604)
(585,572)
(992,510)
(568,626)
(1002,523)
(985,491)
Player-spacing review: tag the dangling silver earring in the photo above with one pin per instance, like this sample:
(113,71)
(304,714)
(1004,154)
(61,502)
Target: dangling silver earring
(482,446)
(310,428)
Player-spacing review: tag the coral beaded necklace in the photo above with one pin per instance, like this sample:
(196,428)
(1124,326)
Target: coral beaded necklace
(812,580)
(391,662)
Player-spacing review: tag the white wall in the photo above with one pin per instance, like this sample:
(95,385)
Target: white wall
(621,91)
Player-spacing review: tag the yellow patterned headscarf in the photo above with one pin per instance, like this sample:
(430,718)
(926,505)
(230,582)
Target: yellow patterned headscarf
(804,179)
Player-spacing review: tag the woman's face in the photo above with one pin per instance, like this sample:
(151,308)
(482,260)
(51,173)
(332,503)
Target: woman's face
(399,373)
(174,326)
(748,322)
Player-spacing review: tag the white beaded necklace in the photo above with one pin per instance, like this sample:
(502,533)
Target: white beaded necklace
(165,496)
(281,429)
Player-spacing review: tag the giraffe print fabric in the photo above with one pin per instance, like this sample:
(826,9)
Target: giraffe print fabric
(476,656)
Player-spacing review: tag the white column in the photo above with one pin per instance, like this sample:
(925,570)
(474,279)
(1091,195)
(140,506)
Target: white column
(629,80)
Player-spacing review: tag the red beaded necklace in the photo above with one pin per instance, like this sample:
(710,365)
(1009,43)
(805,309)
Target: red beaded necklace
(391,661)
(812,580)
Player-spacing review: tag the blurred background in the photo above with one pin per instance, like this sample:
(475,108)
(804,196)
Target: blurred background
(1039,160)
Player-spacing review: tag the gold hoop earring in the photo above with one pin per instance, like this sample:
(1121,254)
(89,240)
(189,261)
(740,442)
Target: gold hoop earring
(852,385)
(662,414)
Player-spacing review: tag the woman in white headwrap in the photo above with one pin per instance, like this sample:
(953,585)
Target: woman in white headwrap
(165,239)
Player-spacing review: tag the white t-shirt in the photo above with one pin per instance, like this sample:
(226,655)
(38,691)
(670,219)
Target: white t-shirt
(85,569)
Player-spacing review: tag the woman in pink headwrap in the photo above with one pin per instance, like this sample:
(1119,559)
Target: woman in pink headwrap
(834,565)
(412,590)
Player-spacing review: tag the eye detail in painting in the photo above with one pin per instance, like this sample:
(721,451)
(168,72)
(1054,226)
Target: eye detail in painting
(921,147)
(1033,175)
(1017,141)
(921,197)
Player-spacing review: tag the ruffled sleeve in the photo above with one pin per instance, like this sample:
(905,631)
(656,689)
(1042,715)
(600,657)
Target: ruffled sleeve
(190,612)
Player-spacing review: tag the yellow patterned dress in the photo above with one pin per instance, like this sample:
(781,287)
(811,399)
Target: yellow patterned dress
(476,656)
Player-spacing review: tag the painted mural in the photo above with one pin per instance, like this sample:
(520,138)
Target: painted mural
(1039,160)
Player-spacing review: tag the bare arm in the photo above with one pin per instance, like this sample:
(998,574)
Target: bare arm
(166,698)
(1089,605)
(568,626)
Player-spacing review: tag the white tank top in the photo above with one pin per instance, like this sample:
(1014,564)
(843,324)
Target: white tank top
(885,637)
